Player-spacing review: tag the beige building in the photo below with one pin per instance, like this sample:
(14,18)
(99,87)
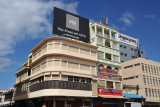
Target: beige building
(59,71)
(146,74)
(2,96)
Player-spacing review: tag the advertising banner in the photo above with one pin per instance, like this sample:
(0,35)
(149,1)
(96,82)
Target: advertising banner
(106,70)
(109,76)
(103,91)
(70,25)
(128,40)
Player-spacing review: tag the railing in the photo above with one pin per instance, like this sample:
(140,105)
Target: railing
(55,84)
(20,92)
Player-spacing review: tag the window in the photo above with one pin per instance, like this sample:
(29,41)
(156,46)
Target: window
(158,93)
(128,66)
(83,80)
(141,52)
(76,79)
(120,45)
(146,92)
(101,83)
(157,71)
(107,43)
(132,49)
(88,80)
(137,64)
(147,79)
(153,92)
(149,92)
(109,84)
(124,47)
(151,79)
(152,69)
(132,57)
(149,69)
(144,79)
(100,55)
(41,79)
(154,81)
(125,54)
(70,78)
(146,67)
(118,85)
(142,67)
(108,56)
(29,72)
(121,53)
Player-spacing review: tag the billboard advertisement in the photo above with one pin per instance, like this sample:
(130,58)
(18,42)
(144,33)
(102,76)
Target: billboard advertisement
(103,91)
(128,40)
(70,25)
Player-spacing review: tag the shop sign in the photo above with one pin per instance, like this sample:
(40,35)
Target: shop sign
(103,91)
(106,70)
(109,76)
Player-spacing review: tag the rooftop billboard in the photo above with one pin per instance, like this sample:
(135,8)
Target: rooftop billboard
(128,40)
(70,25)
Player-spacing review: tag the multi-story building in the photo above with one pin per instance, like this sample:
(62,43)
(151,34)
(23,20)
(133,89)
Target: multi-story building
(59,72)
(2,96)
(129,48)
(8,98)
(144,73)
(108,68)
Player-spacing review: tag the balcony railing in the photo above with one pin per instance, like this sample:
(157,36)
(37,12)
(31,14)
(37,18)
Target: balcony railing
(55,84)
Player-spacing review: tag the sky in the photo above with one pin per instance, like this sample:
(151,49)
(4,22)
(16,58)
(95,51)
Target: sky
(25,23)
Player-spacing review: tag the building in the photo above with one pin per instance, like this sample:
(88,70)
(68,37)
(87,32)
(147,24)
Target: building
(108,68)
(2,96)
(59,72)
(129,48)
(144,73)
(8,98)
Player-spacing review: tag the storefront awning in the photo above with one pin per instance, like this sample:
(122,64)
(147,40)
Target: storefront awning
(117,97)
(133,96)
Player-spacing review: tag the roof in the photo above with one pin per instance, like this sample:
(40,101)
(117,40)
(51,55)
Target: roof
(133,96)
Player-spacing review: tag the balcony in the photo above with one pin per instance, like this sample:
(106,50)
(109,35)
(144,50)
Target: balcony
(55,84)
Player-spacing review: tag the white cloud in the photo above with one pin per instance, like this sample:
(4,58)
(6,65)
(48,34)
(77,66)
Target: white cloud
(21,19)
(4,62)
(150,16)
(127,18)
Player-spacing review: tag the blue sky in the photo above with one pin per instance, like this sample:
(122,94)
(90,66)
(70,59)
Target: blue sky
(23,24)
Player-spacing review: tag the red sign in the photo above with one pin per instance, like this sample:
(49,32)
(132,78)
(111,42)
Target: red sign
(106,70)
(103,91)
(44,105)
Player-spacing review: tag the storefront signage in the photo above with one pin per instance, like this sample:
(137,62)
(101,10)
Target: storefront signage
(103,91)
(109,76)
(70,25)
(106,70)
(128,40)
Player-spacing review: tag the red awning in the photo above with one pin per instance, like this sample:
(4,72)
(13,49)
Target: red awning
(118,97)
